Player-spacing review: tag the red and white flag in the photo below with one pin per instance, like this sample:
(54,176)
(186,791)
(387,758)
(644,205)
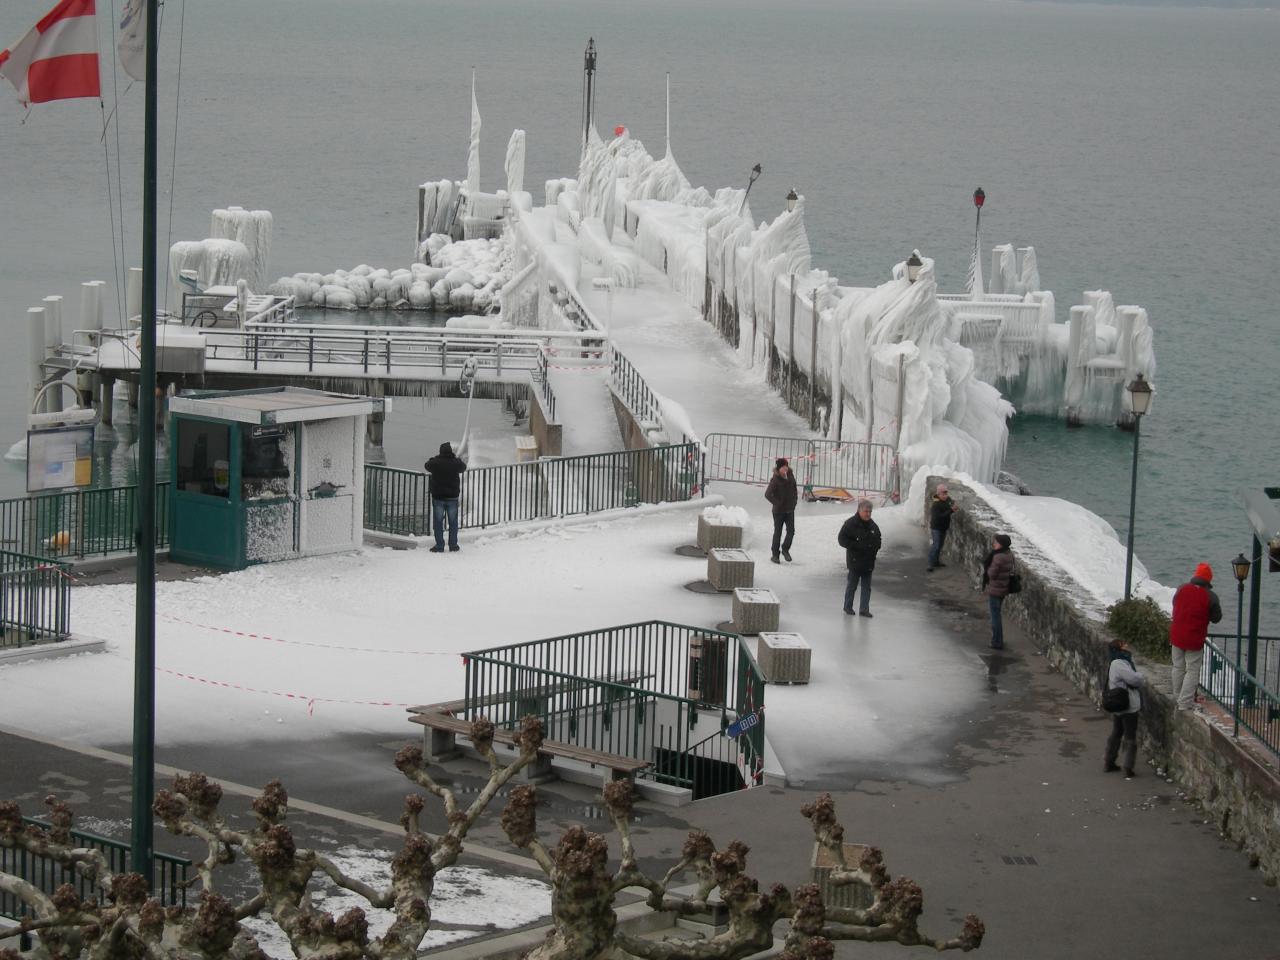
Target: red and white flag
(58,58)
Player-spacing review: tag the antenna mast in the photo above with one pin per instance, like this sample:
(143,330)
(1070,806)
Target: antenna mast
(589,79)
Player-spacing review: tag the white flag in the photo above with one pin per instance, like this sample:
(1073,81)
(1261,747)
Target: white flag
(132,46)
(473,155)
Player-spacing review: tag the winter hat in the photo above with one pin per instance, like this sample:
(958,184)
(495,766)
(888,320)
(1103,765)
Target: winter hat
(782,462)
(1205,572)
(446,450)
(1004,540)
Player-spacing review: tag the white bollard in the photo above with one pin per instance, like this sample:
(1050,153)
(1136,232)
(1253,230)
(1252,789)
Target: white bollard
(133,297)
(52,341)
(35,352)
(91,304)
(242,300)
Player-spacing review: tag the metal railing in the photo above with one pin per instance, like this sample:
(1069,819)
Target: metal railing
(79,523)
(542,380)
(632,389)
(1266,664)
(35,603)
(640,690)
(1251,703)
(856,467)
(397,501)
(168,880)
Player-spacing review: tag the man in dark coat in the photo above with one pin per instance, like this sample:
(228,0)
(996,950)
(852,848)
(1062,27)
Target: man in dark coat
(860,538)
(997,576)
(445,487)
(940,512)
(782,493)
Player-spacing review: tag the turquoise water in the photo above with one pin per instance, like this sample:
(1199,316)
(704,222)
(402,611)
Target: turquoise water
(1135,147)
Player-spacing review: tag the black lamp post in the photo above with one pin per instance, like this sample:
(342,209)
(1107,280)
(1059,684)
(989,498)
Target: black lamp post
(1140,394)
(914,263)
(755,175)
(1240,567)
(792,199)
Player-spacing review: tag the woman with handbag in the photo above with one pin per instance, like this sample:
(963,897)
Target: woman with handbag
(1122,675)
(997,583)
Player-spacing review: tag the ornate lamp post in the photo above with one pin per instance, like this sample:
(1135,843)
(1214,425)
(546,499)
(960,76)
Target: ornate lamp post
(755,175)
(914,263)
(1140,394)
(1240,567)
(792,199)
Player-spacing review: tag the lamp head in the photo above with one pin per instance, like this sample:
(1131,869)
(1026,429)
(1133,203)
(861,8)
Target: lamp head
(1140,394)
(979,197)
(755,174)
(1240,567)
(792,199)
(914,263)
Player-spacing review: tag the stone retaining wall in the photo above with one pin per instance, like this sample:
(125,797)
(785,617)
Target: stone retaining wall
(1238,788)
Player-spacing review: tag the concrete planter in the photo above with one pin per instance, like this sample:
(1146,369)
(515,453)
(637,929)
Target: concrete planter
(784,657)
(728,568)
(712,535)
(755,610)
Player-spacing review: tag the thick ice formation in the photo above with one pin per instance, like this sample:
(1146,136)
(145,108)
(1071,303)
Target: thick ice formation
(253,229)
(514,165)
(467,276)
(216,262)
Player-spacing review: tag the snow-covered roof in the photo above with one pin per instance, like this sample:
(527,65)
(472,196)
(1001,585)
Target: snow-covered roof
(276,405)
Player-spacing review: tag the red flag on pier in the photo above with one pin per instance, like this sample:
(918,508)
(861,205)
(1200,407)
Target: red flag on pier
(58,58)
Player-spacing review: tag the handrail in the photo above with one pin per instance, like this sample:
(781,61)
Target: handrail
(1247,699)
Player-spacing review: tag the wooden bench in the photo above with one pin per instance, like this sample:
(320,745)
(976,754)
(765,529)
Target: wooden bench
(441,743)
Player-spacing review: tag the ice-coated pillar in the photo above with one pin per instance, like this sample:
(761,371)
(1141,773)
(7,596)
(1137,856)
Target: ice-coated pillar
(242,302)
(35,352)
(52,341)
(133,296)
(91,304)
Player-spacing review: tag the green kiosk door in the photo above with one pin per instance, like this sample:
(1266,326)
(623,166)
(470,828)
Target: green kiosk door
(205,497)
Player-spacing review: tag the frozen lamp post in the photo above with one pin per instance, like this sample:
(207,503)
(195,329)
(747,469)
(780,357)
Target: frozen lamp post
(792,199)
(1140,394)
(755,175)
(1240,567)
(914,263)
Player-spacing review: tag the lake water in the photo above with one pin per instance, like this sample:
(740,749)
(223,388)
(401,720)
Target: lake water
(1135,147)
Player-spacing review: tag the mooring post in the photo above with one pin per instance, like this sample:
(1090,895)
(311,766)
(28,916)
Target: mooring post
(52,341)
(35,353)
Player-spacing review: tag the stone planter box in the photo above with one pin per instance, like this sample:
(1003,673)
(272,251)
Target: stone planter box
(784,657)
(712,535)
(728,568)
(858,896)
(755,610)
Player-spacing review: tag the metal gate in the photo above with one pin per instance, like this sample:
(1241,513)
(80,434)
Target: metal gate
(844,468)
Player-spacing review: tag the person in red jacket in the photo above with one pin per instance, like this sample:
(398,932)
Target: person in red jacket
(1195,606)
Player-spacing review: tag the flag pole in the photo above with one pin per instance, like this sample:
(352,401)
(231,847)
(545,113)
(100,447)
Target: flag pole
(144,692)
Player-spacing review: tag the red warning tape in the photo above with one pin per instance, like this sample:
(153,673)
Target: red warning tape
(305,643)
(310,701)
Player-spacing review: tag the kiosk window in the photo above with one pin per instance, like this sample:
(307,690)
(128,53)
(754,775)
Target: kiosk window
(204,458)
(266,455)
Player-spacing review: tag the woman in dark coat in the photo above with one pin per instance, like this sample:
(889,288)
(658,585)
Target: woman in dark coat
(782,494)
(1124,725)
(997,570)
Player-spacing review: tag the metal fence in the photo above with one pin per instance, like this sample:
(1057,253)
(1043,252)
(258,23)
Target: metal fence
(632,389)
(35,603)
(79,523)
(168,878)
(397,501)
(1251,703)
(854,467)
(642,690)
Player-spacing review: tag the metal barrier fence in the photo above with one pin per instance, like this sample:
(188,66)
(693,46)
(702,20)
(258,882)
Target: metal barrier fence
(35,603)
(397,501)
(1266,665)
(168,879)
(856,467)
(1250,702)
(638,690)
(79,523)
(632,389)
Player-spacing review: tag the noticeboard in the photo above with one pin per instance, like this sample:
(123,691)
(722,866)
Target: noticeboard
(59,458)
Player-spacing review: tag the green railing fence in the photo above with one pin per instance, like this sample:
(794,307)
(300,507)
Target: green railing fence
(655,691)
(78,523)
(168,880)
(1250,701)
(35,603)
(396,501)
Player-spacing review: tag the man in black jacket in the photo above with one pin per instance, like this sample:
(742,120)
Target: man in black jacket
(445,487)
(940,512)
(782,494)
(860,538)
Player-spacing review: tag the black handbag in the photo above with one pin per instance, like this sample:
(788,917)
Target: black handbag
(1015,583)
(1116,700)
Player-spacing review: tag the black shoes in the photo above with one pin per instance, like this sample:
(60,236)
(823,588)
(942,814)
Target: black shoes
(437,549)
(786,556)
(1110,768)
(928,569)
(774,559)
(864,613)
(454,549)
(848,612)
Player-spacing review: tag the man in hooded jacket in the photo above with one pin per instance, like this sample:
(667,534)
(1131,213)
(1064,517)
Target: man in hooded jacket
(445,486)
(1195,606)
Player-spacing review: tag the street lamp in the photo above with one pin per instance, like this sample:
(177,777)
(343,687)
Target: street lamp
(792,198)
(1140,394)
(755,175)
(914,263)
(1240,567)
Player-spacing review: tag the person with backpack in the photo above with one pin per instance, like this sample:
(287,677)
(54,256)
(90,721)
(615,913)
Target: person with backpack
(1122,675)
(1195,606)
(997,583)
(782,494)
(860,538)
(940,512)
(445,488)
